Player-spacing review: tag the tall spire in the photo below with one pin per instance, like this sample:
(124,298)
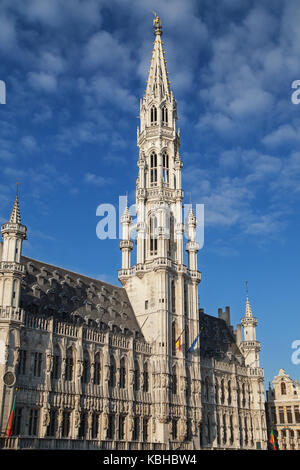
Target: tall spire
(248,311)
(15,216)
(158,83)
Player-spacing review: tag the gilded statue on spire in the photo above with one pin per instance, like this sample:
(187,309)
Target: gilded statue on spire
(156,22)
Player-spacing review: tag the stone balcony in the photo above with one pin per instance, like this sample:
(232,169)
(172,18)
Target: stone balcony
(76,444)
(12,266)
(12,314)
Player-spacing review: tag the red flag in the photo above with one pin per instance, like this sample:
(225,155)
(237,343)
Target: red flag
(10,421)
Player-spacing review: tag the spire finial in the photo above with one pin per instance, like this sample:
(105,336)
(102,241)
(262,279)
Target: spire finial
(157,24)
(17,187)
(246,284)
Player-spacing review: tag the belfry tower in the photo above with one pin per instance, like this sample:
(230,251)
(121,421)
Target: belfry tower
(162,290)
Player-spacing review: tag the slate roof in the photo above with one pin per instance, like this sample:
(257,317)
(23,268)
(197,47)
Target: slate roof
(50,290)
(217,339)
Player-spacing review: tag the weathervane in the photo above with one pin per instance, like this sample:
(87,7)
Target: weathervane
(156,22)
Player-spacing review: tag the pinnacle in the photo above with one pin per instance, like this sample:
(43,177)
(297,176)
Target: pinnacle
(15,216)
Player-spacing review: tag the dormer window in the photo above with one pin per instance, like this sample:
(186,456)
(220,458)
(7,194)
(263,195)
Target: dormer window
(153,115)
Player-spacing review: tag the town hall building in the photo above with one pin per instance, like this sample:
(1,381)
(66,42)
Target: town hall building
(88,365)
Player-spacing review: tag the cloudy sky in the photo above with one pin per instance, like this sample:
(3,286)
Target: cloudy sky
(74,72)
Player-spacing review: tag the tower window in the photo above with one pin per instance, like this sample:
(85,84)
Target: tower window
(173,296)
(153,237)
(153,115)
(283,388)
(122,373)
(164,113)
(153,169)
(165,168)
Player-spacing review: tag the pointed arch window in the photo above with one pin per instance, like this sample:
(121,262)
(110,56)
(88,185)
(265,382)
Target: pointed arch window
(173,298)
(283,388)
(164,113)
(136,383)
(69,365)
(153,169)
(123,373)
(146,378)
(112,373)
(97,369)
(153,115)
(153,236)
(173,339)
(86,368)
(165,168)
(174,381)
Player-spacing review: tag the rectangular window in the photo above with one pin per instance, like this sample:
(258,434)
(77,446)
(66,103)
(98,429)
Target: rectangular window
(121,427)
(145,429)
(37,364)
(22,362)
(289,414)
(111,427)
(136,428)
(66,423)
(17,422)
(51,429)
(297,414)
(55,368)
(281,415)
(174,429)
(95,425)
(33,422)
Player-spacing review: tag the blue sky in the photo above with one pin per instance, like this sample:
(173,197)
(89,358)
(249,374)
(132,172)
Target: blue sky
(74,73)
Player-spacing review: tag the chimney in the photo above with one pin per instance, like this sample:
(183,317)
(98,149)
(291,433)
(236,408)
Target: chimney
(238,334)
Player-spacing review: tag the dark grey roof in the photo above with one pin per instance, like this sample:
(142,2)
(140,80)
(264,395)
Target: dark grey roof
(53,291)
(217,339)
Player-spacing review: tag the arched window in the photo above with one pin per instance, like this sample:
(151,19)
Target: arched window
(123,373)
(222,391)
(185,300)
(164,114)
(224,429)
(229,392)
(112,372)
(173,338)
(218,430)
(136,383)
(56,366)
(217,392)
(86,368)
(246,430)
(69,365)
(153,169)
(146,378)
(174,380)
(231,429)
(165,157)
(153,235)
(97,369)
(243,396)
(206,390)
(283,388)
(153,115)
(173,300)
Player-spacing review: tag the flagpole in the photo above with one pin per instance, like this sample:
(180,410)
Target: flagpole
(12,403)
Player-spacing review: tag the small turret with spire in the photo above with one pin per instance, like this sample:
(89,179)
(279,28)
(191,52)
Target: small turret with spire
(11,269)
(250,345)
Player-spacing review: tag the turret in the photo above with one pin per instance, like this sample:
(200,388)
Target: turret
(11,269)
(249,345)
(126,244)
(192,247)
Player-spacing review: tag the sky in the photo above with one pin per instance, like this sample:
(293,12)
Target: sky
(74,73)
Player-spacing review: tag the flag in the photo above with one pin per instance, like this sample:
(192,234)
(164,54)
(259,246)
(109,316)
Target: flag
(10,421)
(272,440)
(192,347)
(178,341)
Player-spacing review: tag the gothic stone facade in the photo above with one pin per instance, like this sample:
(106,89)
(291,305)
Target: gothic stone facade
(92,365)
(283,411)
